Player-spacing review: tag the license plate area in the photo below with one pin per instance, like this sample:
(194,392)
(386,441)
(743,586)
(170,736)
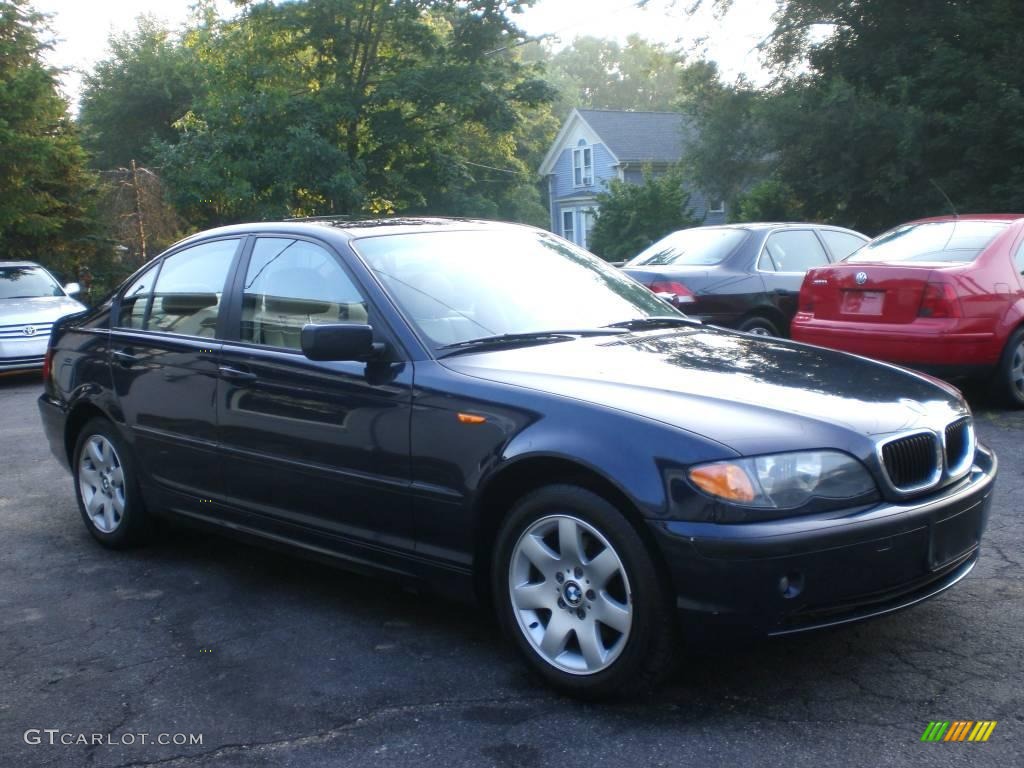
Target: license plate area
(955,536)
(862,302)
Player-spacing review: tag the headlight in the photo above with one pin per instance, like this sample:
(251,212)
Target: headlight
(784,480)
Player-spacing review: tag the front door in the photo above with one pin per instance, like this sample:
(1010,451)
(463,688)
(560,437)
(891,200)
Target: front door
(311,446)
(164,358)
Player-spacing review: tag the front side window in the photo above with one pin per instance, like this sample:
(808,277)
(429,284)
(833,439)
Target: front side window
(582,166)
(461,285)
(27,283)
(1019,260)
(187,295)
(950,242)
(290,283)
(792,251)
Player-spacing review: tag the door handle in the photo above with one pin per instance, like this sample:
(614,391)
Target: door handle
(125,358)
(235,374)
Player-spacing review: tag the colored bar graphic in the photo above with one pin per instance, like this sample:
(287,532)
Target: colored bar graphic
(958,730)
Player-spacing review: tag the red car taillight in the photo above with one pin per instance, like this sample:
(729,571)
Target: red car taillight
(939,300)
(674,291)
(48,365)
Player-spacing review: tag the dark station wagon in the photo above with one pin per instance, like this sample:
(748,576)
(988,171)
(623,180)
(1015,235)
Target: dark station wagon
(491,411)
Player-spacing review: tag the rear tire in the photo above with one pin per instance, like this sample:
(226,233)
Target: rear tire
(107,489)
(759,326)
(577,591)
(1008,383)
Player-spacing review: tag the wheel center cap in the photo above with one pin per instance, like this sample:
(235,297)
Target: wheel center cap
(573,593)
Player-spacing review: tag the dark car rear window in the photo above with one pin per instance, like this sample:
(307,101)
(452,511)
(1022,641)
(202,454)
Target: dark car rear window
(691,247)
(954,242)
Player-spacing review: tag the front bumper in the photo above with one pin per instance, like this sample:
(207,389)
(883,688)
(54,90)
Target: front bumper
(23,354)
(799,574)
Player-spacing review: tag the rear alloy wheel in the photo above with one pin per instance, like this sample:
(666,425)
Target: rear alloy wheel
(759,326)
(578,592)
(1009,381)
(105,486)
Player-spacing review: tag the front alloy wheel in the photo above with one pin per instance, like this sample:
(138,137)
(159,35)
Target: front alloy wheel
(579,592)
(571,595)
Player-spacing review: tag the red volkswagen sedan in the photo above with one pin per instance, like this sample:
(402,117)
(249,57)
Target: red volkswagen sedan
(944,295)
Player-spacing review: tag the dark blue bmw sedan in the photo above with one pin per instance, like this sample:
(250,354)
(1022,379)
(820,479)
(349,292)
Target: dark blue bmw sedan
(487,409)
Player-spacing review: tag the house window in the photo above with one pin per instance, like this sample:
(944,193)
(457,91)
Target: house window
(587,219)
(718,207)
(582,165)
(568,230)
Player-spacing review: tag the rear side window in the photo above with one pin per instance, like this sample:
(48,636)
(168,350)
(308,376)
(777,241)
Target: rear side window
(186,298)
(135,299)
(795,250)
(842,244)
(290,283)
(954,242)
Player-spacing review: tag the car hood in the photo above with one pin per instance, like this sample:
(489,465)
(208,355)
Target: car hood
(44,309)
(749,393)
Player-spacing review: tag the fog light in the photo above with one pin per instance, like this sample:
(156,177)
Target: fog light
(791,585)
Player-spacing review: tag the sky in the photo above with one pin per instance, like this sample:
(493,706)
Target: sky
(81,28)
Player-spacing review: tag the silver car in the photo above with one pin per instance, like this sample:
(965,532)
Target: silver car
(31,301)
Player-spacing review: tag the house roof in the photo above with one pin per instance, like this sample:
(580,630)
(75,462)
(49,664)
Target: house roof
(651,137)
(631,137)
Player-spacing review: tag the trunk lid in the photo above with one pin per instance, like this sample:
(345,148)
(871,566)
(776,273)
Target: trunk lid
(879,293)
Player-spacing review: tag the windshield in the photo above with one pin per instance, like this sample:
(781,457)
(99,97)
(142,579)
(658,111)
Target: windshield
(955,242)
(27,283)
(463,285)
(691,247)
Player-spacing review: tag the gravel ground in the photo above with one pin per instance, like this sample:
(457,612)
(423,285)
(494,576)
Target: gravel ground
(279,662)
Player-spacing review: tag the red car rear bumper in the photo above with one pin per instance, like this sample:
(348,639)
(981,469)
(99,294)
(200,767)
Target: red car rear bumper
(937,344)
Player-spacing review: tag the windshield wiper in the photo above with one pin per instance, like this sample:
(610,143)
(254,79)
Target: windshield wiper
(658,321)
(515,339)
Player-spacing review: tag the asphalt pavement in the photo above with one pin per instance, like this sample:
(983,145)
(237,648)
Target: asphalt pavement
(275,661)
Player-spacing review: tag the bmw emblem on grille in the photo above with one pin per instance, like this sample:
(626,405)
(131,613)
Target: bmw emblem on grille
(29,330)
(861,278)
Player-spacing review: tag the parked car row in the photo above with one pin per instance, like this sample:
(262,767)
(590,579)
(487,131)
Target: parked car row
(945,295)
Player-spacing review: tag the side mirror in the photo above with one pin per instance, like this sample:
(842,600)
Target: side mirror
(72,289)
(339,341)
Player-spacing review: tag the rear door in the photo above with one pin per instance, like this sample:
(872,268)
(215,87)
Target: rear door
(164,362)
(786,256)
(311,446)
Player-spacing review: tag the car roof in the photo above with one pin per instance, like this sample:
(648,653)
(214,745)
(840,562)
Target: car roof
(4,263)
(969,217)
(762,226)
(351,229)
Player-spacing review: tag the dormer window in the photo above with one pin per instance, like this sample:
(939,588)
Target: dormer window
(582,165)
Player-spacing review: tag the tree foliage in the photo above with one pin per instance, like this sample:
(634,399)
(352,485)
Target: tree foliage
(132,98)
(597,73)
(635,215)
(875,108)
(360,107)
(46,192)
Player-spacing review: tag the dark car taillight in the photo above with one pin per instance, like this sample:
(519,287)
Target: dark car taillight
(939,300)
(673,290)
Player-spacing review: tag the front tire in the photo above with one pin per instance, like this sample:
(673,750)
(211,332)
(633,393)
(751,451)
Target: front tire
(107,489)
(578,592)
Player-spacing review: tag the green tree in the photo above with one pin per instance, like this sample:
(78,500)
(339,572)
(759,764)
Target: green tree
(876,107)
(133,97)
(360,106)
(632,216)
(597,73)
(46,192)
